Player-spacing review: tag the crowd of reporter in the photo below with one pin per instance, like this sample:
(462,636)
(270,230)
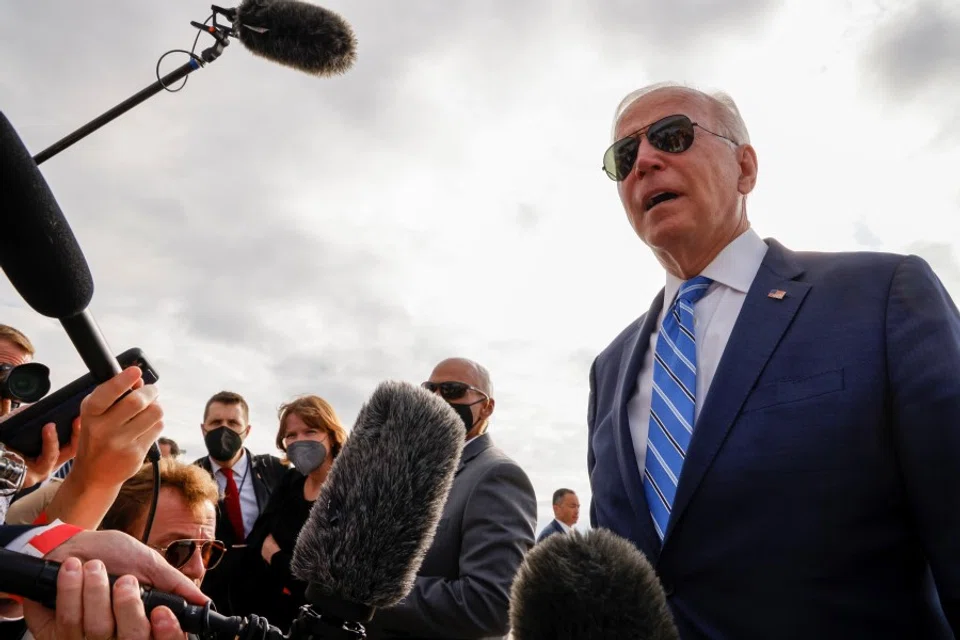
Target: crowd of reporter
(225,524)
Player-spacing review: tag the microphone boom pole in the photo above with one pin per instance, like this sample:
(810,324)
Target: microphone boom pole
(219,32)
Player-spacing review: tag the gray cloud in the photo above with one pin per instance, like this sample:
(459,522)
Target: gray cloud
(916,50)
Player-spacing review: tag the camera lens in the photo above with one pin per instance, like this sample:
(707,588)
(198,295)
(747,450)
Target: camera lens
(27,382)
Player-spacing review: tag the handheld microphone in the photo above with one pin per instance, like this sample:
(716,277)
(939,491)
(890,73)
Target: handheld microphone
(366,535)
(295,34)
(41,256)
(593,586)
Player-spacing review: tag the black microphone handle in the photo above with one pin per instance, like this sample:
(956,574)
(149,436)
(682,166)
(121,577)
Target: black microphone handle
(89,342)
(91,345)
(36,579)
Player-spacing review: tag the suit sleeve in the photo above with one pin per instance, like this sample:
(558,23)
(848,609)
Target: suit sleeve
(923,360)
(8,534)
(498,529)
(591,423)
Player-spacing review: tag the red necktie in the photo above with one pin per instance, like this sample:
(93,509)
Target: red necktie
(231,498)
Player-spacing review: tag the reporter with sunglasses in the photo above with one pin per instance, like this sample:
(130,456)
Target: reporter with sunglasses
(463,587)
(780,432)
(184,525)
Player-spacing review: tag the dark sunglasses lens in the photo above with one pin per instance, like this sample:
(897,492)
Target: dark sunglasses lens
(671,135)
(619,158)
(212,553)
(179,552)
(430,386)
(453,390)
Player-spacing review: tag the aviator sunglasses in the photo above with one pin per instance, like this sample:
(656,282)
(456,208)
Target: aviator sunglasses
(673,134)
(451,390)
(179,552)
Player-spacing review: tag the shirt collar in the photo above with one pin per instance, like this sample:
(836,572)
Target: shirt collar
(563,525)
(735,266)
(239,469)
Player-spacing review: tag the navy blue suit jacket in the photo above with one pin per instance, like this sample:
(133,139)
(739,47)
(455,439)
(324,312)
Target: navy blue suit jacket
(821,489)
(549,530)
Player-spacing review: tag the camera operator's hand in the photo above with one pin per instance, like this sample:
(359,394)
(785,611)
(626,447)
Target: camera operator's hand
(51,456)
(84,606)
(116,432)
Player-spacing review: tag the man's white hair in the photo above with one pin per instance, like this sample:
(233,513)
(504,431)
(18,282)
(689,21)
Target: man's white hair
(729,121)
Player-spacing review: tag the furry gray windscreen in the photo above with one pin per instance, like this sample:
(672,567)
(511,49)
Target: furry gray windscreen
(298,35)
(378,510)
(593,586)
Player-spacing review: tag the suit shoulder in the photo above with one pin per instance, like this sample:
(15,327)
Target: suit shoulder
(875,265)
(496,463)
(615,348)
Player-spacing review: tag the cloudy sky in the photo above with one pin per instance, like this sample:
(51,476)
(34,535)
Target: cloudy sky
(275,234)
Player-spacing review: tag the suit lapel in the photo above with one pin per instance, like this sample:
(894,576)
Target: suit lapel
(759,328)
(630,362)
(474,449)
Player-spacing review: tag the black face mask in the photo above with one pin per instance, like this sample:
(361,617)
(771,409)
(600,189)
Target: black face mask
(465,413)
(222,443)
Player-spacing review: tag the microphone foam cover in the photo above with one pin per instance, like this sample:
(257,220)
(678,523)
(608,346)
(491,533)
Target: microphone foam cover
(38,250)
(593,586)
(376,516)
(298,35)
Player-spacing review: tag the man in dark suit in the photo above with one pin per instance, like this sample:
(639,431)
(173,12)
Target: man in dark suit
(780,432)
(245,482)
(566,512)
(463,587)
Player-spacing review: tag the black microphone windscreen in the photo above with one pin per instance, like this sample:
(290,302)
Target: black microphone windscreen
(297,34)
(377,513)
(38,250)
(593,586)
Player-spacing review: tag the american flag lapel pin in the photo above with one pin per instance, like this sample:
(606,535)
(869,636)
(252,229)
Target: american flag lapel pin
(776,294)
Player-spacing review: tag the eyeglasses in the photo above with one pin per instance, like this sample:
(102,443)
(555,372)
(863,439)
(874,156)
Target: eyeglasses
(451,390)
(179,552)
(673,134)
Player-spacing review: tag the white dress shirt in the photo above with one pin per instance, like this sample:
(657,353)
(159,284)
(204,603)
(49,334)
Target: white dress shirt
(732,272)
(244,480)
(563,525)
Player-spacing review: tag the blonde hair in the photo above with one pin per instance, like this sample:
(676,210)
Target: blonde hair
(17,338)
(192,483)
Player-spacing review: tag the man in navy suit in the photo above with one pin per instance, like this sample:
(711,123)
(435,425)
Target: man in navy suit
(566,512)
(780,432)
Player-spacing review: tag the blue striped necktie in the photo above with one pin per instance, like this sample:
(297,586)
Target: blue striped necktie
(672,403)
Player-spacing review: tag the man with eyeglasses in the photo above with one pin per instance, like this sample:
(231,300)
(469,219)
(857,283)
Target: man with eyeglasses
(186,519)
(463,587)
(780,432)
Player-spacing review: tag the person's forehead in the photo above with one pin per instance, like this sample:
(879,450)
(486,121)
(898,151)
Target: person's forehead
(454,371)
(661,103)
(220,410)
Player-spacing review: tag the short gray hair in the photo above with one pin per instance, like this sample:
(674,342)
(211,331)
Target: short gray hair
(729,120)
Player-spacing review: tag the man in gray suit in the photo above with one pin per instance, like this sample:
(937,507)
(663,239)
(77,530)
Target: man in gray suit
(488,524)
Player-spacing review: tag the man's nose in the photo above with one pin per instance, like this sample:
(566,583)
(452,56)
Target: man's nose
(649,158)
(194,568)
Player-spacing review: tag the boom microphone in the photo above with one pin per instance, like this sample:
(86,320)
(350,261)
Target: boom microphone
(593,586)
(296,34)
(377,513)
